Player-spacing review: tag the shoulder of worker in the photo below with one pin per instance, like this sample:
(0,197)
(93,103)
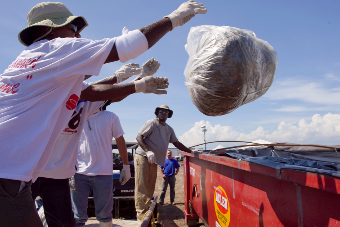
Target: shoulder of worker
(173,160)
(152,122)
(109,113)
(172,130)
(66,44)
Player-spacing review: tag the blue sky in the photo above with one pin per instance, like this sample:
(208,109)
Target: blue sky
(302,105)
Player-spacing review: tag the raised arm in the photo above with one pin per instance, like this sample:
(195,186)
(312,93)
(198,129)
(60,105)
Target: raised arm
(148,84)
(100,92)
(155,31)
(96,91)
(122,74)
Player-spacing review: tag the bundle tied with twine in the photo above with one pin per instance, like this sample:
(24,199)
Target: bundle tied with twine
(227,67)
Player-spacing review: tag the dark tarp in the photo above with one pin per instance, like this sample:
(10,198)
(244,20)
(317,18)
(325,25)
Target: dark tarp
(310,159)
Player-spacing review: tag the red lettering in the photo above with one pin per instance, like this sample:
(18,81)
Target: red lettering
(7,88)
(70,130)
(28,62)
(24,63)
(35,60)
(3,87)
(14,87)
(19,63)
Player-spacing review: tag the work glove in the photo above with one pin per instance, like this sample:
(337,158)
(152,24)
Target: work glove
(126,71)
(152,84)
(148,69)
(151,157)
(185,12)
(125,174)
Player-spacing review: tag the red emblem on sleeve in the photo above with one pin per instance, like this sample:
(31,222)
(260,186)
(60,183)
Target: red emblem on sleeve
(72,102)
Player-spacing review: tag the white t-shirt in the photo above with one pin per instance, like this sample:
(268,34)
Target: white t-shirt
(95,147)
(63,159)
(38,94)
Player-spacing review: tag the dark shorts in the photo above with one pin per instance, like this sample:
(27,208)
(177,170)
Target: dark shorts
(17,209)
(56,198)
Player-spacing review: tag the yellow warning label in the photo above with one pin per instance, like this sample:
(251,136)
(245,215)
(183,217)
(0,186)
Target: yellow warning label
(222,208)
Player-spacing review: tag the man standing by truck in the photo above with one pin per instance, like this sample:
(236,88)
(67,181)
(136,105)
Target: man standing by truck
(153,140)
(169,170)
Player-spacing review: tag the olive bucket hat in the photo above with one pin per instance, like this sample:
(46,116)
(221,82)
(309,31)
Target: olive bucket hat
(48,14)
(165,107)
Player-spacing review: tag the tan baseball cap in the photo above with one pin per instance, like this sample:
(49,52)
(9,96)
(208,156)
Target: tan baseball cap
(48,14)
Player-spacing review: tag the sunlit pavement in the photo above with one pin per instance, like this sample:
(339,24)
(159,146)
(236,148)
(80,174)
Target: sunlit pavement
(92,222)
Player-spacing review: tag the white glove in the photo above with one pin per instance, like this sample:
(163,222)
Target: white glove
(152,84)
(185,12)
(151,157)
(126,71)
(149,68)
(125,174)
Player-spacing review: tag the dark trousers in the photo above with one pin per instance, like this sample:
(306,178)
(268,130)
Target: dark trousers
(17,209)
(55,194)
(168,180)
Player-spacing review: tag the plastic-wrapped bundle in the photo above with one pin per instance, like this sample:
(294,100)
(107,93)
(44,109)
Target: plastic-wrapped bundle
(227,67)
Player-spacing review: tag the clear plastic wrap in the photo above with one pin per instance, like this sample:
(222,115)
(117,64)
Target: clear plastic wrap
(227,67)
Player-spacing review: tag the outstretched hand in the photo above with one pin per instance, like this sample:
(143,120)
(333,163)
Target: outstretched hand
(148,69)
(185,12)
(126,71)
(152,84)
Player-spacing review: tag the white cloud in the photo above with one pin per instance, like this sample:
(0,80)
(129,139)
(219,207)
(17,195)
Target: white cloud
(291,109)
(310,92)
(331,76)
(319,130)
(302,108)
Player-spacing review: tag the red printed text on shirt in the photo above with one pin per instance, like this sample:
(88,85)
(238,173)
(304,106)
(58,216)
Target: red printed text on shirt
(9,88)
(24,63)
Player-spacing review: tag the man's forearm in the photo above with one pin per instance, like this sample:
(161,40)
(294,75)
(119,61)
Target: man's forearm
(101,92)
(107,80)
(122,150)
(180,146)
(155,31)
(141,142)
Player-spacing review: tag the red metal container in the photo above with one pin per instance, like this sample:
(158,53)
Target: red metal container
(222,191)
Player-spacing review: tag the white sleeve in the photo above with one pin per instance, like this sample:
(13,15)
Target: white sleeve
(78,56)
(85,85)
(131,45)
(117,130)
